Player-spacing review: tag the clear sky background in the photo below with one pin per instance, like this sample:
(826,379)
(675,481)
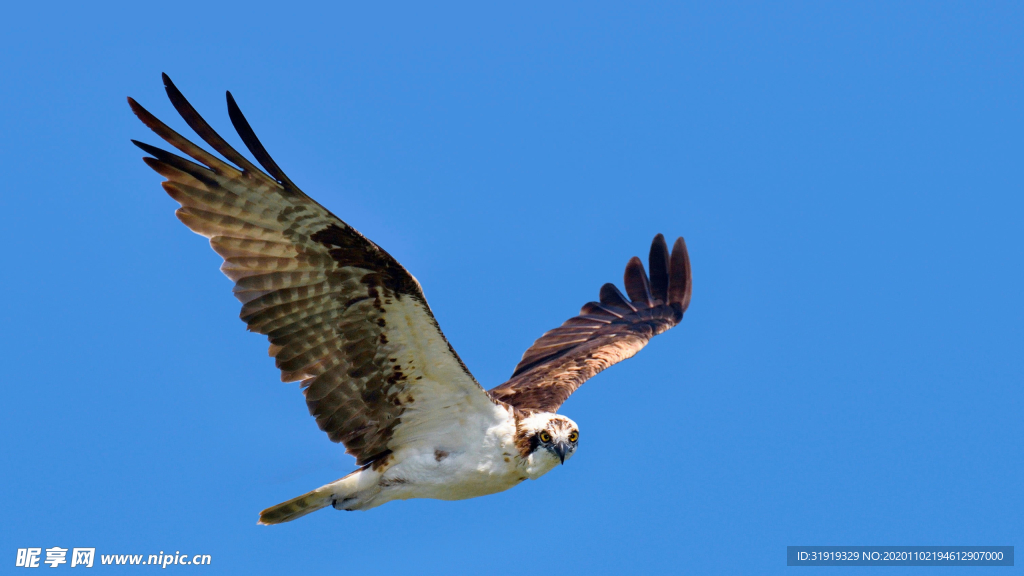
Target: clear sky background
(848,178)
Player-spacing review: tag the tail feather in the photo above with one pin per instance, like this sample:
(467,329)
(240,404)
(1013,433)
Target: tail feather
(360,483)
(297,507)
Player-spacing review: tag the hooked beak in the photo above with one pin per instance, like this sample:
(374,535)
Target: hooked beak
(561,448)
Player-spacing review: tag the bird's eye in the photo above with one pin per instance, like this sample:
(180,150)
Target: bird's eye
(574,436)
(545,437)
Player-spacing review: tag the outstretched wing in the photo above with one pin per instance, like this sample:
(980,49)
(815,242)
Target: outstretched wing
(604,333)
(341,314)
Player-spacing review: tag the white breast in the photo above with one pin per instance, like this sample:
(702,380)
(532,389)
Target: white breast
(477,458)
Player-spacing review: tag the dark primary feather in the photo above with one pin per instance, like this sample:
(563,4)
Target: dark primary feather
(253,143)
(318,289)
(659,261)
(604,333)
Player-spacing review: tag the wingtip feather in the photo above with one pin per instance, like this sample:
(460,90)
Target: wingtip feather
(140,111)
(680,280)
(252,142)
(637,285)
(659,264)
(611,296)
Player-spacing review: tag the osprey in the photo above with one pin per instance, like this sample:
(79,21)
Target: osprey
(346,320)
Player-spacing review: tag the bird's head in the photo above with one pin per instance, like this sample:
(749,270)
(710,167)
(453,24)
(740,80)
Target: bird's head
(546,440)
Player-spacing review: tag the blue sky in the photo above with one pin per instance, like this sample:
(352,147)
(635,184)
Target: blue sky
(848,178)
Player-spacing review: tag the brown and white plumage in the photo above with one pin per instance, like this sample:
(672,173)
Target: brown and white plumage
(349,322)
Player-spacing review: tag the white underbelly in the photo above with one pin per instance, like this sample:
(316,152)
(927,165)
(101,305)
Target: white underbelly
(451,475)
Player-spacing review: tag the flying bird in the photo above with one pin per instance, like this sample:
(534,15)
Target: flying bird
(349,323)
